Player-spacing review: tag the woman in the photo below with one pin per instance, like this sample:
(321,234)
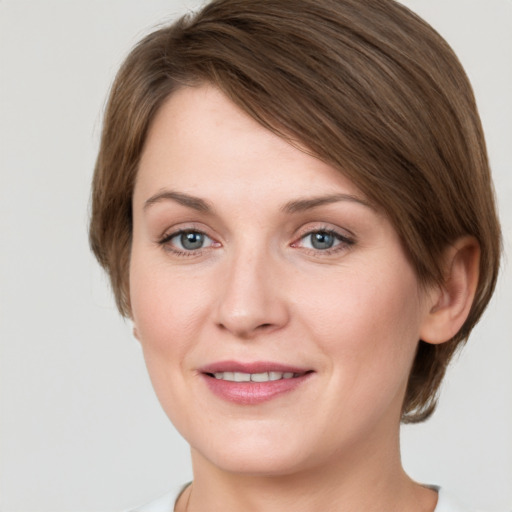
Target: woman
(293,202)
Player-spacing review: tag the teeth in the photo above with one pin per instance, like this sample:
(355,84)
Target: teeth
(254,377)
(260,377)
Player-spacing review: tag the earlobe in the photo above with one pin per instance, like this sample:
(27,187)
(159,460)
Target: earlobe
(453,299)
(136,333)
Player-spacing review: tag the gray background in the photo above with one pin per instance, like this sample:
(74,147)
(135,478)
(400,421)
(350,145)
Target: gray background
(80,427)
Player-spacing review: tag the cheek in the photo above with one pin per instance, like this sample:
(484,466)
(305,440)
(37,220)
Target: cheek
(165,305)
(367,324)
(168,313)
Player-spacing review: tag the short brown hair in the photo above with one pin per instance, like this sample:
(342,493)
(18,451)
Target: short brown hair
(368,87)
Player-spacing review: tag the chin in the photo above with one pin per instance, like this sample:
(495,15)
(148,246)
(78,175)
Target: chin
(262,455)
(257,464)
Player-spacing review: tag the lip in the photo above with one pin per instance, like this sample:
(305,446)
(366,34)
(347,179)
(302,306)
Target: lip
(252,393)
(252,367)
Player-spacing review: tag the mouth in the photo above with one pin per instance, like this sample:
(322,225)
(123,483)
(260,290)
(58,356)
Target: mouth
(256,377)
(252,383)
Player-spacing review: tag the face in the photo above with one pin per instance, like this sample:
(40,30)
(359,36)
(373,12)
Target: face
(276,308)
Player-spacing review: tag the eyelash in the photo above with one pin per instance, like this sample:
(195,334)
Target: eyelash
(343,242)
(165,242)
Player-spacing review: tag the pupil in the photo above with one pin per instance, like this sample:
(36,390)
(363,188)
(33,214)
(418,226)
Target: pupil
(322,240)
(192,241)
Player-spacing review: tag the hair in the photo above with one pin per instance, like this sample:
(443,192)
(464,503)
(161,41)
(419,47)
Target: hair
(368,87)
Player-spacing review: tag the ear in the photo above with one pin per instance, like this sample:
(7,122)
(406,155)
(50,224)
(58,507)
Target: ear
(136,333)
(451,302)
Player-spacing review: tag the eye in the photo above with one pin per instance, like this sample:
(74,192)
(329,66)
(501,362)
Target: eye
(187,241)
(190,240)
(320,240)
(323,240)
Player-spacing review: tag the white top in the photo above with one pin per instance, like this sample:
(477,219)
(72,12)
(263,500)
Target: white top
(166,504)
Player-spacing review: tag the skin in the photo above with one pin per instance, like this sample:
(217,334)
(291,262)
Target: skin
(260,291)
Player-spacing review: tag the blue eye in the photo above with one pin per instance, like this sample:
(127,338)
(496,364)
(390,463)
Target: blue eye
(191,240)
(187,241)
(324,240)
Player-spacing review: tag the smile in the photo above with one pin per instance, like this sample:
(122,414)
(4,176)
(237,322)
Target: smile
(253,383)
(254,377)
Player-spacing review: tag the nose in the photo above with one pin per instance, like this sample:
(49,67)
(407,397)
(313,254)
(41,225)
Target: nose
(252,298)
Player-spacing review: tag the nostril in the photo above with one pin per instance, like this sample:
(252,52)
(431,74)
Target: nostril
(264,326)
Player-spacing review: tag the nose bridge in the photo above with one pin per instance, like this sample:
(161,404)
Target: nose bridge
(250,301)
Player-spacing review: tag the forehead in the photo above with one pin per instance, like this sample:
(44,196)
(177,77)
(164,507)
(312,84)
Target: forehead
(200,140)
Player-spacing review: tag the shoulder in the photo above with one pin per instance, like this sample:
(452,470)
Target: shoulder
(447,503)
(164,503)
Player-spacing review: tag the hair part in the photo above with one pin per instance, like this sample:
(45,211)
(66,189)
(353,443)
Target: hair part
(369,88)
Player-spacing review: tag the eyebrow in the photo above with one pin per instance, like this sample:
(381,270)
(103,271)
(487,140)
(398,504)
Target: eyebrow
(295,206)
(301,205)
(195,203)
